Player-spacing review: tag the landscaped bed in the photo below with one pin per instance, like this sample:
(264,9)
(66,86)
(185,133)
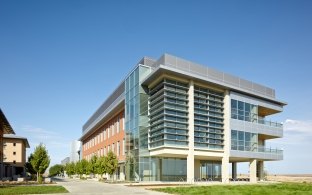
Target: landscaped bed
(274,189)
(31,189)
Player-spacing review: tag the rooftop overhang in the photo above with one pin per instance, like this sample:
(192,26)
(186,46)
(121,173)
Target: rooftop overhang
(12,136)
(5,125)
(111,111)
(163,70)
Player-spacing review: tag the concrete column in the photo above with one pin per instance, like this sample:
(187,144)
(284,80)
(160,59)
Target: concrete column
(227,137)
(197,168)
(234,170)
(253,171)
(260,170)
(190,156)
(122,173)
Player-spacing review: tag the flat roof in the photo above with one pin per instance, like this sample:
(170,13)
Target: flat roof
(175,65)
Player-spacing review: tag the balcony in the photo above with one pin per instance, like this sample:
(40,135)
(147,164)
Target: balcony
(259,152)
(270,123)
(259,126)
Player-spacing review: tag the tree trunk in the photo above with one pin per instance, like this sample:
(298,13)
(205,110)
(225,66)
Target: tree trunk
(38,177)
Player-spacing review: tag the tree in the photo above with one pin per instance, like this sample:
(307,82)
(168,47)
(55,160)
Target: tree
(111,163)
(40,161)
(101,165)
(81,167)
(70,168)
(56,169)
(29,167)
(92,167)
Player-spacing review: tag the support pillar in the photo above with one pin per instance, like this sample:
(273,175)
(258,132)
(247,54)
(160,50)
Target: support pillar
(190,156)
(260,170)
(253,171)
(225,169)
(234,170)
(227,137)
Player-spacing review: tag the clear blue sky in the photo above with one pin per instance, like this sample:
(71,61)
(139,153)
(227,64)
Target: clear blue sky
(59,60)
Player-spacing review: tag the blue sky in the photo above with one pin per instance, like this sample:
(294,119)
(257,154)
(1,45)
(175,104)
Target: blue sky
(59,60)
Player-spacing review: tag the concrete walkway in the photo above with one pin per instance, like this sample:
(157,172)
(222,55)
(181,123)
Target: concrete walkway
(95,187)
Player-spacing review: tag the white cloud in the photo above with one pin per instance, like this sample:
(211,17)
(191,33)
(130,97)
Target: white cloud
(56,144)
(296,132)
(298,126)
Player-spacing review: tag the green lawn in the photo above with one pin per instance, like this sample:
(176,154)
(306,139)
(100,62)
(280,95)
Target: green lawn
(274,189)
(31,189)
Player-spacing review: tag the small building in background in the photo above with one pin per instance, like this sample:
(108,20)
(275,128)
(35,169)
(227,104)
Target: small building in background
(14,150)
(75,151)
(65,161)
(5,127)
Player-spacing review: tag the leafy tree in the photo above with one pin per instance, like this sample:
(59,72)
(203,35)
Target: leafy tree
(111,163)
(40,161)
(92,166)
(29,167)
(101,165)
(56,169)
(81,167)
(70,169)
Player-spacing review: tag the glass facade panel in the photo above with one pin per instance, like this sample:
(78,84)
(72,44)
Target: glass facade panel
(244,111)
(244,141)
(136,122)
(210,170)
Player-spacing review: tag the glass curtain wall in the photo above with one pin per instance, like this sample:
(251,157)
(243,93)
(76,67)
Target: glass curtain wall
(168,114)
(244,141)
(210,170)
(136,121)
(244,111)
(208,118)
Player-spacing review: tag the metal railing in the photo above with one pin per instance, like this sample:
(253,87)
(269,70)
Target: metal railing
(258,149)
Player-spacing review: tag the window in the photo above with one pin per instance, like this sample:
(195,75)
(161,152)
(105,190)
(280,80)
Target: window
(118,148)
(118,124)
(14,162)
(113,147)
(123,146)
(14,144)
(14,153)
(123,122)
(113,128)
(108,132)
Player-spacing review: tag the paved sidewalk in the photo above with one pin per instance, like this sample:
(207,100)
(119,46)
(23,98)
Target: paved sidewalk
(95,187)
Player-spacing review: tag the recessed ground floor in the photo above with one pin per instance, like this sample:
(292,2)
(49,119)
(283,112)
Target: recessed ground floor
(11,171)
(182,170)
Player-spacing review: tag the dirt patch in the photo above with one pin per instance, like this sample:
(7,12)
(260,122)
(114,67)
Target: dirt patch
(300,178)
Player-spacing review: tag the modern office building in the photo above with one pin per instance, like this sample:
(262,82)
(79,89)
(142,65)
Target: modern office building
(174,120)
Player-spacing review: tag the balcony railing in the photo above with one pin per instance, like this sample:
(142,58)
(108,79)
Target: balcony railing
(253,118)
(258,149)
(270,123)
